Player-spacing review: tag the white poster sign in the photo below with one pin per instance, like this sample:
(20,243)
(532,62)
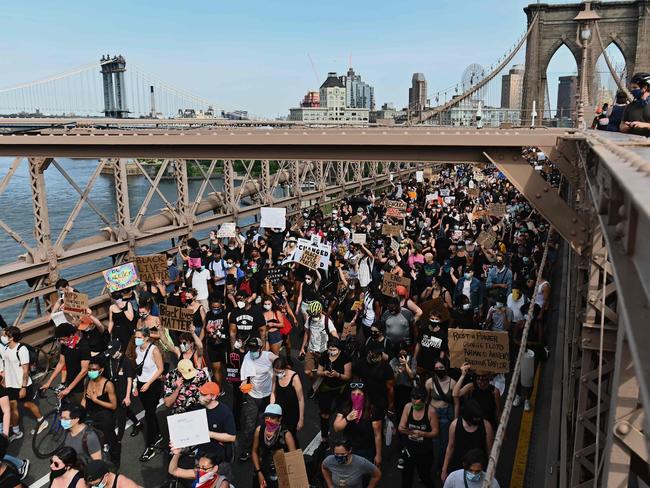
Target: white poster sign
(188,429)
(419,176)
(273,218)
(322,250)
(227,230)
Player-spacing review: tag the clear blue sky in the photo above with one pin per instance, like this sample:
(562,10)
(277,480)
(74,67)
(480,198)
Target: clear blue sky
(253,54)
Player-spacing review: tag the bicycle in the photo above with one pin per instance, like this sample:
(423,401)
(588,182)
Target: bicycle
(46,442)
(47,355)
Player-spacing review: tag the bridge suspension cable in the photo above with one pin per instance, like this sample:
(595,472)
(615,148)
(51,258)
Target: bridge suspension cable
(502,63)
(617,79)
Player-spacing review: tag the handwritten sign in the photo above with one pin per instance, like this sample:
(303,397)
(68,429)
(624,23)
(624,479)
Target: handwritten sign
(473,192)
(227,230)
(310,259)
(152,268)
(359,238)
(427,173)
(419,176)
(395,209)
(276,275)
(356,219)
(189,428)
(121,277)
(486,239)
(394,246)
(483,350)
(323,251)
(290,468)
(298,223)
(390,230)
(497,209)
(176,318)
(390,283)
(479,214)
(75,303)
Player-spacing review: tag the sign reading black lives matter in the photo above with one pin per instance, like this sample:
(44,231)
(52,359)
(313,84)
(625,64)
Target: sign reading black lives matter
(176,318)
(152,268)
(483,350)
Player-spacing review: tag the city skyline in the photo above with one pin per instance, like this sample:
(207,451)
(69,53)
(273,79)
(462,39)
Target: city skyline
(238,72)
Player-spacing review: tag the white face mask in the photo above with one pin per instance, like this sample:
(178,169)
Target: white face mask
(241,304)
(268,306)
(4,339)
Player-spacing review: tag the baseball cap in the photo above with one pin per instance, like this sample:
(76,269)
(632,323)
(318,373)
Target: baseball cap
(84,323)
(254,343)
(209,388)
(400,290)
(186,369)
(113,347)
(95,469)
(273,409)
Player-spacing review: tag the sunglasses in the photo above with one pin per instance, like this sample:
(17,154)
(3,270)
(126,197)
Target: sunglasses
(56,464)
(356,386)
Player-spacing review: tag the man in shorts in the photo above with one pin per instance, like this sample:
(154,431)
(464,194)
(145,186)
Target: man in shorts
(15,371)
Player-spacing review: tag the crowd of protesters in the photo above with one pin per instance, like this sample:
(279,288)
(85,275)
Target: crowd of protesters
(270,335)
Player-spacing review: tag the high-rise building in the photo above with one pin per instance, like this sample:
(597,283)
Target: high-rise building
(567,91)
(358,94)
(512,86)
(332,91)
(418,94)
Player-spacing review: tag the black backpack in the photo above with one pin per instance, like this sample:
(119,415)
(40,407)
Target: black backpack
(33,355)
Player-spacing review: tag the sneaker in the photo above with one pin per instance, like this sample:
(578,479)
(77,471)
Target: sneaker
(517,401)
(16,435)
(148,453)
(400,463)
(44,425)
(158,441)
(24,470)
(527,406)
(245,456)
(136,429)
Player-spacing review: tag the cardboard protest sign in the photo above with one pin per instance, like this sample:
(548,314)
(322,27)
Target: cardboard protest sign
(75,303)
(298,223)
(189,428)
(484,350)
(390,283)
(276,275)
(486,239)
(359,238)
(310,259)
(176,318)
(391,230)
(419,176)
(473,192)
(479,177)
(121,277)
(227,230)
(435,177)
(273,218)
(323,250)
(356,219)
(152,268)
(497,209)
(479,214)
(428,172)
(432,196)
(395,209)
(290,468)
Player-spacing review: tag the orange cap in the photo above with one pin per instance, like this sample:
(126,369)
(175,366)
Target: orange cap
(401,290)
(209,388)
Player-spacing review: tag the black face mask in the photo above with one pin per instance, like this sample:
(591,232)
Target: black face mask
(55,473)
(440,373)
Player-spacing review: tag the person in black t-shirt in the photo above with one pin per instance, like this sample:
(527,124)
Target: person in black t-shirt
(335,369)
(431,345)
(120,370)
(378,377)
(215,335)
(246,321)
(75,357)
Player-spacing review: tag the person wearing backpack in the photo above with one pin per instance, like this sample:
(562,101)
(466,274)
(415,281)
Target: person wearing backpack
(85,440)
(15,365)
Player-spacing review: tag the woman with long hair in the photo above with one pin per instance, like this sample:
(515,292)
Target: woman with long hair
(361,424)
(64,469)
(288,393)
(274,323)
(440,388)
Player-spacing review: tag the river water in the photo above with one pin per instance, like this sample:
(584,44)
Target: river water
(17,212)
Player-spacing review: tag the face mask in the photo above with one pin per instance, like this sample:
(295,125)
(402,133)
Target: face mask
(358,402)
(215,309)
(4,339)
(525,259)
(241,304)
(66,423)
(440,373)
(308,282)
(418,406)
(139,341)
(281,374)
(468,276)
(93,375)
(467,306)
(255,355)
(268,306)
(636,93)
(333,353)
(271,426)
(143,315)
(189,300)
(351,287)
(185,347)
(100,485)
(392,263)
(475,477)
(55,473)
(500,264)
(341,458)
(375,333)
